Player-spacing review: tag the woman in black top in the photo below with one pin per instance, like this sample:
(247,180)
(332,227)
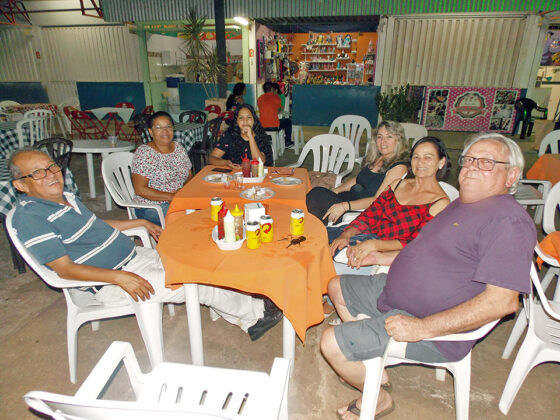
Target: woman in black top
(236,97)
(245,136)
(384,162)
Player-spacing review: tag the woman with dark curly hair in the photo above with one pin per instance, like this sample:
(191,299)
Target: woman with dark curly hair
(245,136)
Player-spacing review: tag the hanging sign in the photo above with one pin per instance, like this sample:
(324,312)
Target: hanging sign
(470,109)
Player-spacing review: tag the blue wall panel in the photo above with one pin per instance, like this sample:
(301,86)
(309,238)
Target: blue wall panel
(23,92)
(193,95)
(321,104)
(100,94)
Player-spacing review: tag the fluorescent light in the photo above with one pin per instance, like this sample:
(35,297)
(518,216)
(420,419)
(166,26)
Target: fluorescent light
(241,20)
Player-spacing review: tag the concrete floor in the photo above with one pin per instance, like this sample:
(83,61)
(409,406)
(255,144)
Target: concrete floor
(33,347)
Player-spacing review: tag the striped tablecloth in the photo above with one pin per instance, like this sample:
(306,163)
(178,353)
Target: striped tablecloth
(186,134)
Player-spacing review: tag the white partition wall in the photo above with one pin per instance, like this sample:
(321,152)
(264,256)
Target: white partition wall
(453,51)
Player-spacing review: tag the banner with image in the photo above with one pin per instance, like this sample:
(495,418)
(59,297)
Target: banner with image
(469,109)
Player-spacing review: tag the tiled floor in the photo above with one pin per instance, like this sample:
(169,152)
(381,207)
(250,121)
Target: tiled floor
(33,347)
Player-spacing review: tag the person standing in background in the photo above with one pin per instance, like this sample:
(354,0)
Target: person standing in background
(270,105)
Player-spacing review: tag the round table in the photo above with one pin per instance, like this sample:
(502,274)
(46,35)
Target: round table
(105,147)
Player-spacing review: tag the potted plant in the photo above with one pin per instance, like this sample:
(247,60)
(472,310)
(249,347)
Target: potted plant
(202,64)
(398,105)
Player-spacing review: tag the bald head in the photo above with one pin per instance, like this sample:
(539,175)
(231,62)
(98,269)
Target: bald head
(20,155)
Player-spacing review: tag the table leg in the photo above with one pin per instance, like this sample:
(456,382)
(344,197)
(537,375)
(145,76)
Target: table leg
(108,199)
(195,327)
(91,176)
(288,343)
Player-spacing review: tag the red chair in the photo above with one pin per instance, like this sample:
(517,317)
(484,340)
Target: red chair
(149,110)
(227,116)
(215,109)
(74,127)
(87,127)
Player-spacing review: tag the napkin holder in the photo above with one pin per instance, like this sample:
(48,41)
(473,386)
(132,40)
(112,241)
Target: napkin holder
(253,212)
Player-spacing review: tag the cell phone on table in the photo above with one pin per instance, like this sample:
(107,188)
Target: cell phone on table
(222,170)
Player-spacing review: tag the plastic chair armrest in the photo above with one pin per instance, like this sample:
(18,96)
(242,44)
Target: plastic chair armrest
(342,175)
(466,336)
(140,232)
(97,380)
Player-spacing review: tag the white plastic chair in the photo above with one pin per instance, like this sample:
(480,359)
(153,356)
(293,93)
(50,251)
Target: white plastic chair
(541,344)
(82,306)
(549,214)
(450,190)
(395,355)
(278,146)
(550,140)
(330,151)
(413,132)
(33,113)
(37,129)
(522,317)
(7,103)
(551,205)
(533,192)
(352,127)
(116,170)
(172,391)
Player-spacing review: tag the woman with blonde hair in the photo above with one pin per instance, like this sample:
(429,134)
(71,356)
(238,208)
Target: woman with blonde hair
(384,162)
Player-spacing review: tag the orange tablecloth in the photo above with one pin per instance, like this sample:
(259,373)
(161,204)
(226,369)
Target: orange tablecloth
(196,194)
(294,278)
(550,245)
(547,168)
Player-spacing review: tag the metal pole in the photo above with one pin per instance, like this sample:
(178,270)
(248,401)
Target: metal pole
(221,44)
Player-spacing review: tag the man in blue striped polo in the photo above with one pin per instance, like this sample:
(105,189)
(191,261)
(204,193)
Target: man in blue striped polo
(62,233)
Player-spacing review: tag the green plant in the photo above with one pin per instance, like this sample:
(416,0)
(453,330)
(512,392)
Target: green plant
(202,61)
(397,105)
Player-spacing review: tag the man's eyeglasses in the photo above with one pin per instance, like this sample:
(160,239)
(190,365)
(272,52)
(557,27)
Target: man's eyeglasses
(162,127)
(38,174)
(484,164)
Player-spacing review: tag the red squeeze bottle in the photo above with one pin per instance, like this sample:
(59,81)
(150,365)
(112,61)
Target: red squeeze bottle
(246,167)
(221,214)
(254,168)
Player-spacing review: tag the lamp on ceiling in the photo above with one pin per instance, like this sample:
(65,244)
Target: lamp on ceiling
(241,20)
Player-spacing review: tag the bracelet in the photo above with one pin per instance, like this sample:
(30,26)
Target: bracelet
(349,206)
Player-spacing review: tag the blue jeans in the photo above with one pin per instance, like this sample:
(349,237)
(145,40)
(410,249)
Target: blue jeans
(151,215)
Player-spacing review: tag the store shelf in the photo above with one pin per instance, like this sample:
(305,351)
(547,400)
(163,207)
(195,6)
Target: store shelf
(343,48)
(319,45)
(318,53)
(323,70)
(343,58)
(320,61)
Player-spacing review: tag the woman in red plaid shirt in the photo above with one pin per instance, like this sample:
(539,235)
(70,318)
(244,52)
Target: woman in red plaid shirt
(401,210)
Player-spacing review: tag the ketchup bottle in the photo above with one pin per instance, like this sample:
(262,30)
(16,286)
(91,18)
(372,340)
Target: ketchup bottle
(254,168)
(221,214)
(246,167)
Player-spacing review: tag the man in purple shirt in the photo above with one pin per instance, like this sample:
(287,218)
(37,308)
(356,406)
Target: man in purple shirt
(466,268)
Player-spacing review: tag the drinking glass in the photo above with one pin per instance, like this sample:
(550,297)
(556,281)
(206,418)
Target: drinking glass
(238,178)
